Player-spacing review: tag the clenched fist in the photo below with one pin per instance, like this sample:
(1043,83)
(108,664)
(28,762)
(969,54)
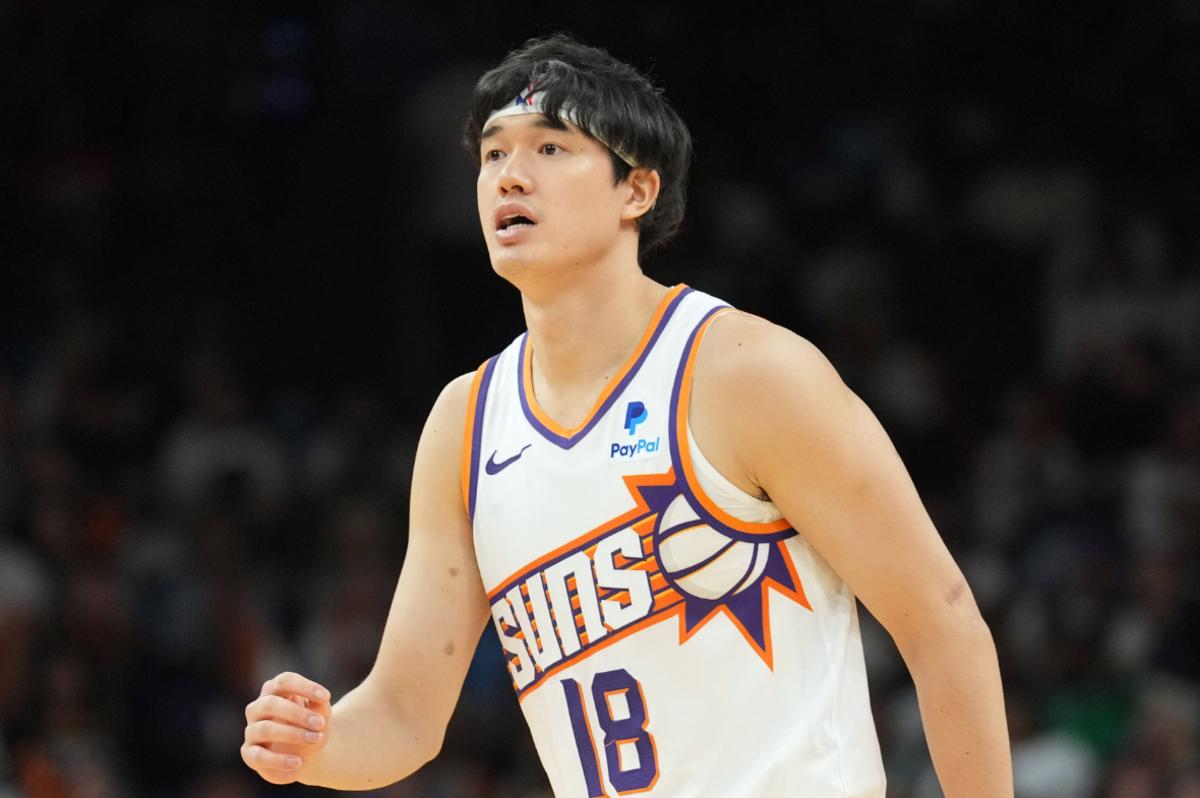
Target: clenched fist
(286,726)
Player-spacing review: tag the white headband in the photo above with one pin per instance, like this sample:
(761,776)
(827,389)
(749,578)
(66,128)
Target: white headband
(530,102)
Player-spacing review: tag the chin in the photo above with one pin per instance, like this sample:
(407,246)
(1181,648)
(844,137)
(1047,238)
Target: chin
(512,266)
(525,272)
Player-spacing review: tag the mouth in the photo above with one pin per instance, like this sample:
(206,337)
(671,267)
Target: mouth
(513,221)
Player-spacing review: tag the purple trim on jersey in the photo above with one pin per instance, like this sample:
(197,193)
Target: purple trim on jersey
(583,739)
(677,462)
(477,434)
(630,729)
(683,527)
(568,442)
(674,576)
(749,571)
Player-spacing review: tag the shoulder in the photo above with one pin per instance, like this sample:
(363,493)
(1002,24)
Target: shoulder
(445,427)
(437,470)
(453,400)
(760,392)
(457,392)
(757,362)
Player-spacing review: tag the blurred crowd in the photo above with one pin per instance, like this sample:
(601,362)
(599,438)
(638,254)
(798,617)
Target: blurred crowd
(240,259)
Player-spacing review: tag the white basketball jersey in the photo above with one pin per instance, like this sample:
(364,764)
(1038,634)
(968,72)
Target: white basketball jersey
(666,633)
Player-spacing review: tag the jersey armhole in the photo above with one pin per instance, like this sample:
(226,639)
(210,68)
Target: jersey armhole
(681,456)
(473,433)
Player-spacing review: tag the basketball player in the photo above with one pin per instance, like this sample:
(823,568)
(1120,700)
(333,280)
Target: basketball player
(666,507)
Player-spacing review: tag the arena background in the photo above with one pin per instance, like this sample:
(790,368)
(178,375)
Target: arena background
(240,259)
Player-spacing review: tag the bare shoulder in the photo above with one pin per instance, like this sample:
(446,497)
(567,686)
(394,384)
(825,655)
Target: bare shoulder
(452,401)
(756,363)
(755,385)
(448,415)
(439,449)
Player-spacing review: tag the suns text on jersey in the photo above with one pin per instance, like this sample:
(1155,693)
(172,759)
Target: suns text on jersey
(559,609)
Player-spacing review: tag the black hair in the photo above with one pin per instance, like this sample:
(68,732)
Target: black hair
(611,102)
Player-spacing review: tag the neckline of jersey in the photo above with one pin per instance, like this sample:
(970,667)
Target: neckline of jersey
(565,437)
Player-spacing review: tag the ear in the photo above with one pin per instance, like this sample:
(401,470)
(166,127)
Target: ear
(643,184)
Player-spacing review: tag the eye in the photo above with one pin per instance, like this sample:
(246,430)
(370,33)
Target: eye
(551,149)
(493,155)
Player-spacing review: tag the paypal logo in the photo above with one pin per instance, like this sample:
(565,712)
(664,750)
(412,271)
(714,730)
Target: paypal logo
(635,413)
(635,451)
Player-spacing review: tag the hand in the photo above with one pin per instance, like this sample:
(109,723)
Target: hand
(286,726)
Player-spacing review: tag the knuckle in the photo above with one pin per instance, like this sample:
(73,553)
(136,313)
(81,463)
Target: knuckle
(250,753)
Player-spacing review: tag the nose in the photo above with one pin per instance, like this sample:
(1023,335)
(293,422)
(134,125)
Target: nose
(515,174)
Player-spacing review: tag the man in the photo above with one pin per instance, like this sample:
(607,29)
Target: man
(667,508)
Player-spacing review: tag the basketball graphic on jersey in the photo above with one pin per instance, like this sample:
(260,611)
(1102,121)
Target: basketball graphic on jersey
(700,560)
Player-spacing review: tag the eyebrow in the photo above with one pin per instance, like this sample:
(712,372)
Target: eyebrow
(542,122)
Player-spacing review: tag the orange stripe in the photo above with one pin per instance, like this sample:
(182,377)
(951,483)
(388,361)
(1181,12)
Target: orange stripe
(666,599)
(657,617)
(685,455)
(622,520)
(468,459)
(658,583)
(632,483)
(577,543)
(798,595)
(527,372)
(645,527)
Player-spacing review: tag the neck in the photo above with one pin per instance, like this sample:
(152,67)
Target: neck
(581,335)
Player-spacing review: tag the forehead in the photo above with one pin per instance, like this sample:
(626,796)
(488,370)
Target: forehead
(526,122)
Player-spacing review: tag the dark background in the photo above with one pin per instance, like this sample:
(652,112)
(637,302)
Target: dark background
(240,258)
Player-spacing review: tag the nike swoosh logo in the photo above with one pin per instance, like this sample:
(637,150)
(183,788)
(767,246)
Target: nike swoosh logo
(493,468)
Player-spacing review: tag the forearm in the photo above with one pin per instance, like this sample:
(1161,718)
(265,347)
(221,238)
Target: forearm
(371,744)
(962,707)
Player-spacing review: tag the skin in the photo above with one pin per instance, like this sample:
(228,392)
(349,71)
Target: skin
(769,412)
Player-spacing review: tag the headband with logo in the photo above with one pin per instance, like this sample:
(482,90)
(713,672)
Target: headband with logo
(530,102)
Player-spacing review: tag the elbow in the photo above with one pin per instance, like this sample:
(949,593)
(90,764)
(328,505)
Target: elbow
(432,741)
(418,730)
(424,734)
(953,623)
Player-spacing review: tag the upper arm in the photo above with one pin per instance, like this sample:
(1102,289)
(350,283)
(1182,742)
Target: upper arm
(824,459)
(439,608)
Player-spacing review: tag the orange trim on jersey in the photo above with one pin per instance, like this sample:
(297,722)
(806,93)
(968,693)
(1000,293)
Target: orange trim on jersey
(669,603)
(614,381)
(685,456)
(608,694)
(655,617)
(468,455)
(623,520)
(767,653)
